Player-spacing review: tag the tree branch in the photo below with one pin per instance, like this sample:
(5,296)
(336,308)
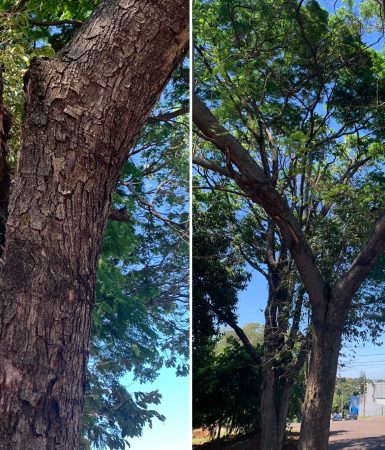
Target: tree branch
(56,23)
(239,332)
(212,166)
(296,366)
(258,187)
(218,188)
(19,6)
(180,228)
(364,262)
(165,116)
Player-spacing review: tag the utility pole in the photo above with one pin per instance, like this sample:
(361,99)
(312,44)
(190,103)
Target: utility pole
(342,401)
(364,392)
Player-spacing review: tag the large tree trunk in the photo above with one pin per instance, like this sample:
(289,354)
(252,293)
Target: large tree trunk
(326,342)
(84,109)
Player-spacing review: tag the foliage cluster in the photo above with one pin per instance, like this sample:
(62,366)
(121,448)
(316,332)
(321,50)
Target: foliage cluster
(227,389)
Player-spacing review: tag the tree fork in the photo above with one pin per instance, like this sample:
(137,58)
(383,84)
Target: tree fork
(84,109)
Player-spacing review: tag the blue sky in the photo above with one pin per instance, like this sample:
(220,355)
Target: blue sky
(369,359)
(252,301)
(175,432)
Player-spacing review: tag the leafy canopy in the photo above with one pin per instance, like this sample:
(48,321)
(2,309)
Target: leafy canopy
(303,90)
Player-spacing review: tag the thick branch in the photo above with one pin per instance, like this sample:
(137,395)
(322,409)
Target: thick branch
(239,332)
(257,186)
(364,262)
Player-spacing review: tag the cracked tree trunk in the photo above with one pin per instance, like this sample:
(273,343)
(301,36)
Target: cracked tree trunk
(84,109)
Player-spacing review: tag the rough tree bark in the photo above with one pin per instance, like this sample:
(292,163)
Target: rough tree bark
(328,318)
(329,304)
(84,108)
(327,333)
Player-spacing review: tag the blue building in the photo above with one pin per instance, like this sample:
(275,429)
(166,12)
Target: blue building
(371,403)
(354,404)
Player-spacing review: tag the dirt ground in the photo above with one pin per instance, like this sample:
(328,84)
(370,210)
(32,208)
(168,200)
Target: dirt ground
(362,434)
(368,434)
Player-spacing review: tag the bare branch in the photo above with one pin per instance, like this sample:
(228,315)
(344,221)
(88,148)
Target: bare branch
(212,166)
(222,189)
(165,116)
(19,6)
(178,227)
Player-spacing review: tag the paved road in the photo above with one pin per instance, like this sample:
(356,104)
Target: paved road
(366,434)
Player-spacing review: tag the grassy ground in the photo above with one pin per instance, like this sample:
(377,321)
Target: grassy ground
(203,442)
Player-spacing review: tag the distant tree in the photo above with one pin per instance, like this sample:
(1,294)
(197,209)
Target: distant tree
(253,332)
(345,388)
(218,272)
(285,347)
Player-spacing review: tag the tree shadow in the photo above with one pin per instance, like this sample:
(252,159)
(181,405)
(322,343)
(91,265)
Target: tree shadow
(365,443)
(337,432)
